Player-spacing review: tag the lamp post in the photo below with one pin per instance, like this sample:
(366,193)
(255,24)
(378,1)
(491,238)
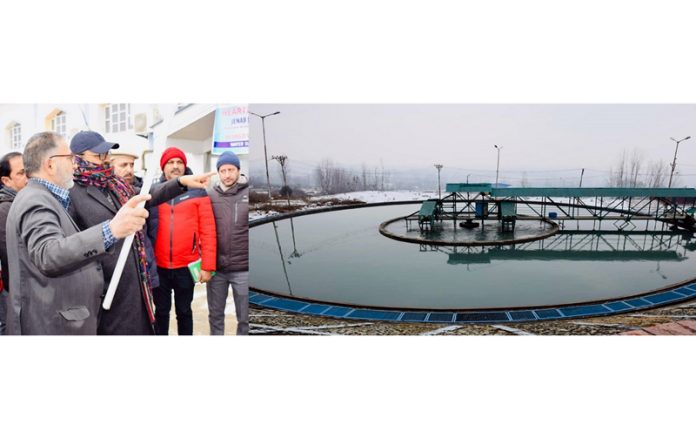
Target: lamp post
(439,168)
(674,162)
(265,152)
(497,167)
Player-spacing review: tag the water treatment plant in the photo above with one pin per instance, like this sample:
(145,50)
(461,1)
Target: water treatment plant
(481,254)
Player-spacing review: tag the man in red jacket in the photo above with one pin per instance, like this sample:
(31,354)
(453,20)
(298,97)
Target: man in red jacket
(183,230)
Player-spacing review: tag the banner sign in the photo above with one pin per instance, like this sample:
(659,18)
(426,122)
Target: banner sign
(231,130)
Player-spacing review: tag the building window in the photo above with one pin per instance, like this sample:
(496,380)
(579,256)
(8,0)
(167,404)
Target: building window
(117,116)
(16,136)
(58,124)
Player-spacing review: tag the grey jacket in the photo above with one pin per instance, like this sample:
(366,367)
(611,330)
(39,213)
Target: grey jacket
(7,195)
(56,280)
(91,206)
(231,210)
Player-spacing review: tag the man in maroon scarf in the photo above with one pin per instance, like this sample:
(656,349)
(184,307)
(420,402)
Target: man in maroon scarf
(97,195)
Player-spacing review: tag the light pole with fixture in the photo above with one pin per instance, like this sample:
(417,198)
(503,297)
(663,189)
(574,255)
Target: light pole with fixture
(497,167)
(674,162)
(265,152)
(439,168)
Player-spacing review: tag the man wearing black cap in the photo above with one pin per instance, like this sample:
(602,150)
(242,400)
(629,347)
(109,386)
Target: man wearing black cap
(230,200)
(55,270)
(97,195)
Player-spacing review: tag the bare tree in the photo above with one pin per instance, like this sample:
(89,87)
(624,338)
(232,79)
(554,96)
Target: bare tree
(381,165)
(525,182)
(635,165)
(628,172)
(657,174)
(283,161)
(617,174)
(331,178)
(322,172)
(364,176)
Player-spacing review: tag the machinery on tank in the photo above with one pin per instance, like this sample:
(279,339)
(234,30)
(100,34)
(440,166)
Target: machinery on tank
(471,205)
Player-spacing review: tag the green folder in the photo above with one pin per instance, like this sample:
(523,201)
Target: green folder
(195,270)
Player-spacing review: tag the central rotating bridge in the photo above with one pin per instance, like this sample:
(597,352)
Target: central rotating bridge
(620,207)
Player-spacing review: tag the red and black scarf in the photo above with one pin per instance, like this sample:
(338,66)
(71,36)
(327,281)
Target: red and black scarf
(90,174)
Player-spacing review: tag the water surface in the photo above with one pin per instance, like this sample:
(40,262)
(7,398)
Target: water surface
(341,257)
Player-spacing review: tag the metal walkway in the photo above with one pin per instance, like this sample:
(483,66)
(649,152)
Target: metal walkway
(620,206)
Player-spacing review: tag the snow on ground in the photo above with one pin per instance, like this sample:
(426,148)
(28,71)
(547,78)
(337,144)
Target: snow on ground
(375,196)
(255,214)
(369,197)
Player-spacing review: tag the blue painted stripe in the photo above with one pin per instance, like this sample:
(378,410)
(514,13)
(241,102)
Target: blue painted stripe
(522,315)
(638,303)
(375,314)
(596,309)
(547,313)
(617,306)
(663,297)
(482,317)
(441,317)
(688,291)
(283,304)
(315,309)
(337,311)
(608,308)
(260,299)
(414,316)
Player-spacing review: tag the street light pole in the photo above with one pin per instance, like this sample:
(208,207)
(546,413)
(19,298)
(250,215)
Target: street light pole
(497,167)
(674,162)
(265,151)
(438,167)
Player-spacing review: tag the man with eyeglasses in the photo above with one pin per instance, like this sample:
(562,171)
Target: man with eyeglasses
(97,195)
(56,279)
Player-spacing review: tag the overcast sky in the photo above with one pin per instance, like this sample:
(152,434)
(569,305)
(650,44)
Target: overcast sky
(534,137)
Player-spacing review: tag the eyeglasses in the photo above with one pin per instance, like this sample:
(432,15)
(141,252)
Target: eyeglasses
(61,156)
(102,157)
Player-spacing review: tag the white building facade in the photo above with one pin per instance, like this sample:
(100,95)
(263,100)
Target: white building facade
(188,127)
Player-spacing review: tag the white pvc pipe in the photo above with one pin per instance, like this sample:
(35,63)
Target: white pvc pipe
(123,256)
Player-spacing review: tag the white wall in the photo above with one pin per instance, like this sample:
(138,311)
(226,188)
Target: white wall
(80,117)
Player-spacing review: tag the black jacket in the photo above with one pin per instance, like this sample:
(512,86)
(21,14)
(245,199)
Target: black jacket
(231,210)
(128,315)
(149,249)
(7,195)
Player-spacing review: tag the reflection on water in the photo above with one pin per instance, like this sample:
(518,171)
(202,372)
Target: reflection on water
(586,245)
(282,258)
(488,230)
(341,257)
